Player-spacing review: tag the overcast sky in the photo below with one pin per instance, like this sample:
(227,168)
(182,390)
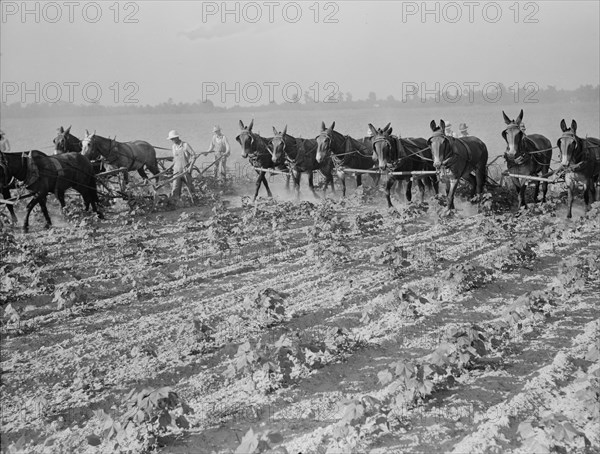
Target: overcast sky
(188,51)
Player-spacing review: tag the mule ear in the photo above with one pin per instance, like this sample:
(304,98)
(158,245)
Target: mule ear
(250,125)
(506,119)
(386,127)
(443,126)
(274,131)
(432,125)
(87,133)
(285,130)
(68,129)
(573,126)
(60,130)
(563,125)
(237,139)
(94,133)
(520,117)
(373,130)
(389,131)
(242,125)
(332,126)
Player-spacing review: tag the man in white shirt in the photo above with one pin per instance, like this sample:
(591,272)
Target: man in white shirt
(4,143)
(183,158)
(464,130)
(220,146)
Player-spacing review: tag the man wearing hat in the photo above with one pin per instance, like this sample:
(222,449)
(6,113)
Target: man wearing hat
(449,131)
(523,128)
(463,128)
(220,146)
(4,143)
(183,158)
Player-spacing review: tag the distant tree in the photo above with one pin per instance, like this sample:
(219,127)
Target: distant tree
(372,97)
(340,97)
(348,97)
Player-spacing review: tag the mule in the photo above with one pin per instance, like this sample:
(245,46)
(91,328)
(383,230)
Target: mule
(345,152)
(580,159)
(136,155)
(397,154)
(459,157)
(526,155)
(43,174)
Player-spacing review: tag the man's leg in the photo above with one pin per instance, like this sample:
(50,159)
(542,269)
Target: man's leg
(223,165)
(176,191)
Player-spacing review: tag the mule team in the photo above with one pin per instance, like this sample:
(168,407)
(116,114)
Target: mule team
(440,158)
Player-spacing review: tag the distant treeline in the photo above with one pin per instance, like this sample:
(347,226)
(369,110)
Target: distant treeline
(413,97)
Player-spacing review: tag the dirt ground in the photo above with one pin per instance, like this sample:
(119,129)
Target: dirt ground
(319,326)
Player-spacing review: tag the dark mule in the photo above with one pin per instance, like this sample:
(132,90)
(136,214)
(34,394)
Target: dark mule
(132,155)
(397,154)
(526,155)
(299,155)
(580,158)
(257,150)
(345,152)
(65,142)
(460,156)
(43,174)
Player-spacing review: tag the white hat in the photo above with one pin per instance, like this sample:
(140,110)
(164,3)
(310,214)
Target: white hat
(448,125)
(173,134)
(216,128)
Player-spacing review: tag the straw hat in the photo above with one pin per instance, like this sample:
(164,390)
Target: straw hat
(216,128)
(448,125)
(173,134)
(463,127)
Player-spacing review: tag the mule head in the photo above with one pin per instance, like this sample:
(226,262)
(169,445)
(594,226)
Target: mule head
(568,144)
(87,146)
(438,143)
(324,141)
(512,135)
(60,141)
(278,145)
(246,138)
(382,145)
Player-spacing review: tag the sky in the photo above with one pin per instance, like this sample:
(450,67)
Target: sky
(252,52)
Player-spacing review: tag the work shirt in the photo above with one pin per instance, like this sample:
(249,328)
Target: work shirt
(220,145)
(4,145)
(182,156)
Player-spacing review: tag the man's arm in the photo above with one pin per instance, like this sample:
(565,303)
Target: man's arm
(227,147)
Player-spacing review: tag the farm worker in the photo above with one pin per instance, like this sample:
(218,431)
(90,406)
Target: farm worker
(523,128)
(4,143)
(183,157)
(220,146)
(449,131)
(463,128)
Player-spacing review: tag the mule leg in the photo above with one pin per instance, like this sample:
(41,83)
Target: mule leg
(342,177)
(408,191)
(586,195)
(544,191)
(453,185)
(436,184)
(266,184)
(45,212)
(421,186)
(570,197)
(258,183)
(143,173)
(358,179)
(474,182)
(388,189)
(11,209)
(311,185)
(537,191)
(297,178)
